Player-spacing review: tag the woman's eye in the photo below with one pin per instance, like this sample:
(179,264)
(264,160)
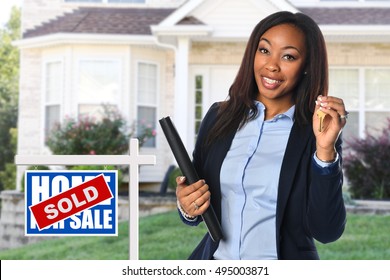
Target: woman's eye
(263,50)
(289,57)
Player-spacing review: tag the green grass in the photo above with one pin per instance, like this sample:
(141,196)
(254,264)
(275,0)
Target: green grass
(165,237)
(365,237)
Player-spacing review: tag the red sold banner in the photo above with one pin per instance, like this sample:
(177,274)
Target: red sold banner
(71,202)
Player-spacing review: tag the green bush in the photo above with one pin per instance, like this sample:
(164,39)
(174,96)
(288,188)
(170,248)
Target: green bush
(35,167)
(88,136)
(109,136)
(172,178)
(367,165)
(8,175)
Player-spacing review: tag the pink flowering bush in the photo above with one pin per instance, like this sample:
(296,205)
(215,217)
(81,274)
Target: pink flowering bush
(108,136)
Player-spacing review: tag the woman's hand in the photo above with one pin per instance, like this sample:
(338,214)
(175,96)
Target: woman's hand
(332,125)
(195,198)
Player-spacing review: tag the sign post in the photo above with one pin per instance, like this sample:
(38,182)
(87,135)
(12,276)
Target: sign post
(133,160)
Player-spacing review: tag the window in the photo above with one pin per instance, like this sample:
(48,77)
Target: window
(377,104)
(99,83)
(147,100)
(53,95)
(344,83)
(364,91)
(198,102)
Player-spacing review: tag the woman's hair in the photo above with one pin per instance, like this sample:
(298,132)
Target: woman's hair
(240,108)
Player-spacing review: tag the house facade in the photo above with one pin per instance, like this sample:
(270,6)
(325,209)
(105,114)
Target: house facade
(154,58)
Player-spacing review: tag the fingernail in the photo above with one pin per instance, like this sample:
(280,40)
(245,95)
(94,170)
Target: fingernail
(182,178)
(320,97)
(316,102)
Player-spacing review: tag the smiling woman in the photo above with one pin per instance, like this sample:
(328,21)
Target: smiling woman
(278,66)
(273,178)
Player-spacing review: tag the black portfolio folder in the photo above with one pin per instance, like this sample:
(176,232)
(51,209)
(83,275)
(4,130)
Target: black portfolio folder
(189,172)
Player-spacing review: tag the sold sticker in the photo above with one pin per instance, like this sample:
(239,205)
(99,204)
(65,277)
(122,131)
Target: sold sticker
(71,202)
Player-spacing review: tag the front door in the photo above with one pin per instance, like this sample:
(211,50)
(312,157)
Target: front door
(208,84)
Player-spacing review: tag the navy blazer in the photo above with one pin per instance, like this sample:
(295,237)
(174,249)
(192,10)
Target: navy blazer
(309,204)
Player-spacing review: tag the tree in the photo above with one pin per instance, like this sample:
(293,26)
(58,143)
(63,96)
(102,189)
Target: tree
(9,89)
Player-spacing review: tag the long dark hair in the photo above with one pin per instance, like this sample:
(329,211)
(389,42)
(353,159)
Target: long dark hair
(240,108)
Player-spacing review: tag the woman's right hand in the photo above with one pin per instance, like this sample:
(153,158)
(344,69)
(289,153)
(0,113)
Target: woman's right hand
(195,198)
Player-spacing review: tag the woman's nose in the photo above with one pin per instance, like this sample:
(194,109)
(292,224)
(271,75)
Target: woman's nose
(272,65)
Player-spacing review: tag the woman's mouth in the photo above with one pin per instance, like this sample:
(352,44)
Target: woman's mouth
(270,83)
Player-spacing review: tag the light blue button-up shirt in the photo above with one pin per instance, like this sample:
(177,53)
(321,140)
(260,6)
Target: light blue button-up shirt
(249,187)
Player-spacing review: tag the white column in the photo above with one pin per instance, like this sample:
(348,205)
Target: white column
(181,89)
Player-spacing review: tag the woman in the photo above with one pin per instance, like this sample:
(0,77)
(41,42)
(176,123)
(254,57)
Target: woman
(269,159)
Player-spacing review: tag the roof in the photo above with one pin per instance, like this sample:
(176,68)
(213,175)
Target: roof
(349,16)
(137,21)
(127,21)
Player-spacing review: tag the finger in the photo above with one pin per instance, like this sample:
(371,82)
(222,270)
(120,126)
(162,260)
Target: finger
(200,200)
(200,195)
(200,205)
(180,180)
(331,113)
(180,184)
(202,208)
(188,190)
(188,194)
(334,103)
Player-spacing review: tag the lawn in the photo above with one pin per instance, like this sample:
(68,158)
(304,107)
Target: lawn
(164,237)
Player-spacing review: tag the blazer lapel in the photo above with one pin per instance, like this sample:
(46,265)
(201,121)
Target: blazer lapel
(296,144)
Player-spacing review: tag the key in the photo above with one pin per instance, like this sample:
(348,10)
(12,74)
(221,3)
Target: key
(321,115)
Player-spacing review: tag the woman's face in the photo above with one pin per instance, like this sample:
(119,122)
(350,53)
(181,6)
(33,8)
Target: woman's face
(279,63)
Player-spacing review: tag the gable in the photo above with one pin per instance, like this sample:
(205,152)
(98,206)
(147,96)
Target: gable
(230,18)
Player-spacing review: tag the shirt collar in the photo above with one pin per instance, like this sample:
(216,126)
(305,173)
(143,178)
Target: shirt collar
(289,113)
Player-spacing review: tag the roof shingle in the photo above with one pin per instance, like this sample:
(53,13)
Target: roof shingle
(349,16)
(137,21)
(128,21)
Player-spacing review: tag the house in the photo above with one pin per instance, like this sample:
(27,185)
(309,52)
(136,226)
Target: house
(154,58)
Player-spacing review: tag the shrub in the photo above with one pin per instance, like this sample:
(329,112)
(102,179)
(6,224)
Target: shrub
(172,178)
(8,175)
(367,165)
(35,167)
(109,136)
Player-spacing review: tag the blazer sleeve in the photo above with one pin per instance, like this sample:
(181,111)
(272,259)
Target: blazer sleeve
(326,209)
(205,126)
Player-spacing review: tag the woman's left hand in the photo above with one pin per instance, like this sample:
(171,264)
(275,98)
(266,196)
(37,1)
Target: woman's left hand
(332,124)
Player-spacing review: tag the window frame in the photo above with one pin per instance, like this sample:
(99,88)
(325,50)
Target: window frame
(139,104)
(44,103)
(76,82)
(362,110)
